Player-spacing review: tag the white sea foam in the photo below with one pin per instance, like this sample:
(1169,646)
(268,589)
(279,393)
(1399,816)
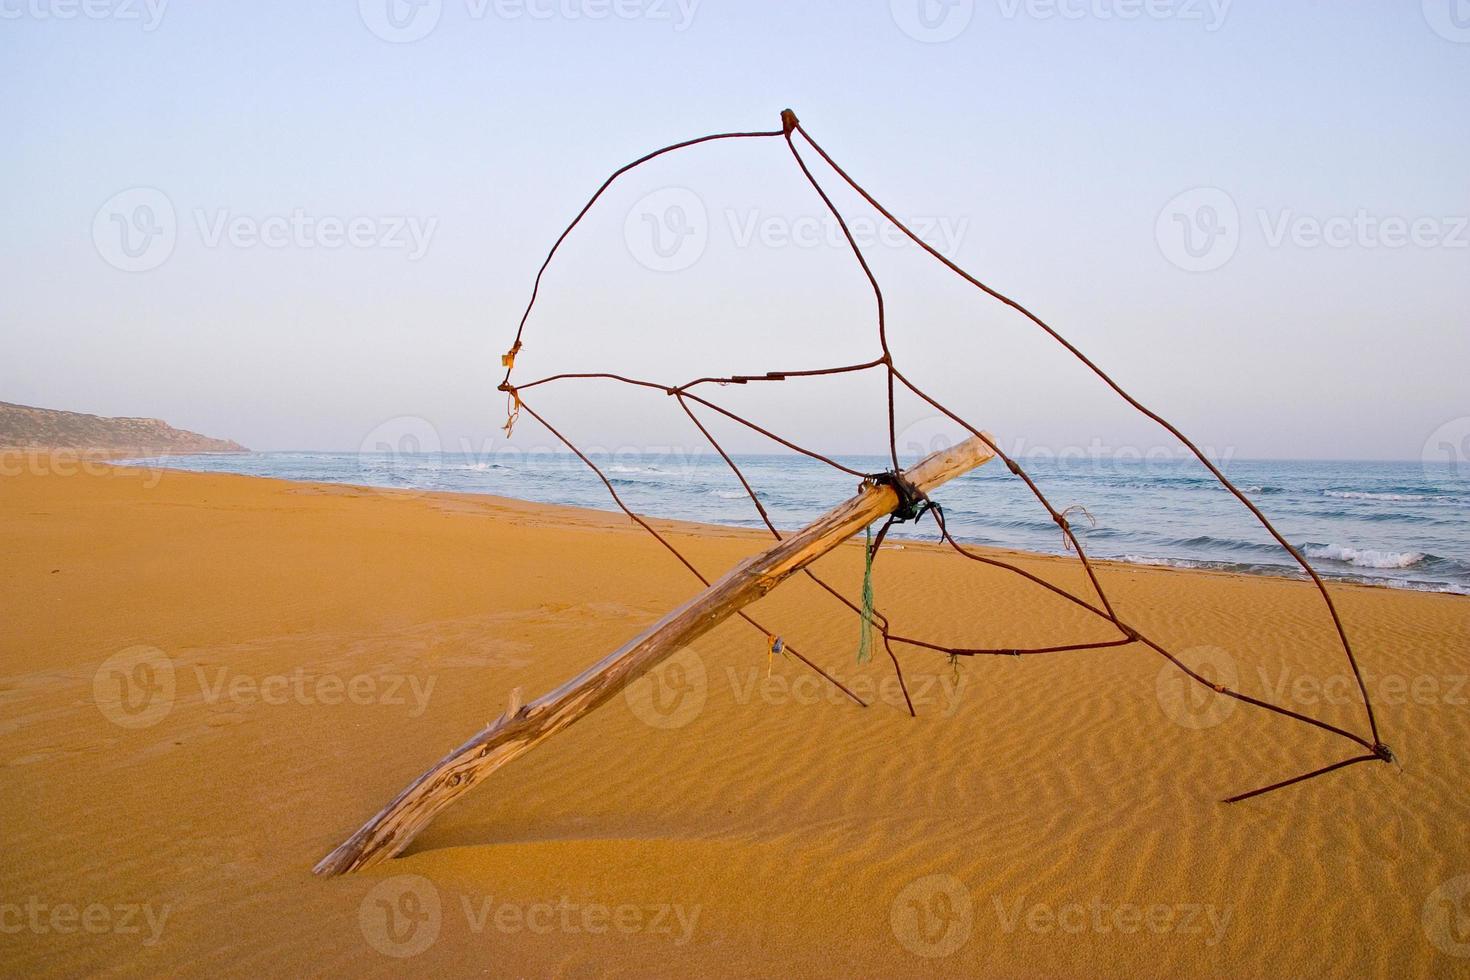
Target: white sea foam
(1366,495)
(1167,562)
(1365,557)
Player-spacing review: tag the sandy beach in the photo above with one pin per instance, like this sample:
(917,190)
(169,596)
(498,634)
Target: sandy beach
(210,681)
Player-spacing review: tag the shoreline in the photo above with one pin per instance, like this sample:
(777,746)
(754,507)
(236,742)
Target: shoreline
(1331,578)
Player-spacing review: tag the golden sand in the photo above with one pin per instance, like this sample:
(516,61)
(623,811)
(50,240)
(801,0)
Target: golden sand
(210,681)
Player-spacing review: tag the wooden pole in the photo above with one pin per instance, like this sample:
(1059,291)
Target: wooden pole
(523,726)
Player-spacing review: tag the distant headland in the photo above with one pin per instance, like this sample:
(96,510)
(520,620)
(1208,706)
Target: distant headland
(26,427)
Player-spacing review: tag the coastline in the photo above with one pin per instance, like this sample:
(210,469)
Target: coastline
(1288,572)
(778,827)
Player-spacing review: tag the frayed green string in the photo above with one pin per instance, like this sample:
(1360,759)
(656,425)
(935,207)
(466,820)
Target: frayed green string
(865,636)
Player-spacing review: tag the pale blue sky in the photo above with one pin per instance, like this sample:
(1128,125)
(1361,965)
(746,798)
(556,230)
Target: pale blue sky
(1049,146)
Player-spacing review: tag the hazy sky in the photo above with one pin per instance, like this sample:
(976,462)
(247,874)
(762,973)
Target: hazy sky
(292,223)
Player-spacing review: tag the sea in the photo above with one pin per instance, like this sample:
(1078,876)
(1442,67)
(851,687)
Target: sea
(1398,524)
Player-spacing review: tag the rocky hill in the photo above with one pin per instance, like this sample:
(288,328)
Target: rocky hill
(22,426)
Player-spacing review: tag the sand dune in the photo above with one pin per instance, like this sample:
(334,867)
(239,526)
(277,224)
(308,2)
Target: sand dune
(209,681)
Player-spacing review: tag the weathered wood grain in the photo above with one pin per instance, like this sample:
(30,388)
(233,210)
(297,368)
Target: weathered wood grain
(523,726)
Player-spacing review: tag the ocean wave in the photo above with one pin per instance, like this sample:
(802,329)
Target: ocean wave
(1224,544)
(1391,517)
(1250,567)
(1371,495)
(1364,557)
(1170,562)
(1454,586)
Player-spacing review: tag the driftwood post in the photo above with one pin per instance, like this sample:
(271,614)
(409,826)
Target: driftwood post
(523,726)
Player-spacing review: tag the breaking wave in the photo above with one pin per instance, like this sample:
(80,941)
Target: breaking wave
(1365,557)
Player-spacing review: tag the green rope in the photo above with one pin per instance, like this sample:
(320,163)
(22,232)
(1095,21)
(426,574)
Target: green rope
(865,636)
